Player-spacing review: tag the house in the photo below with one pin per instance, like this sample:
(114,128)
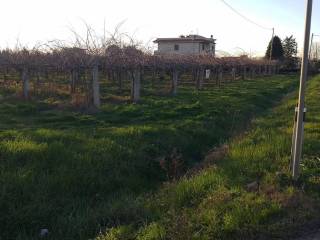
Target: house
(191,44)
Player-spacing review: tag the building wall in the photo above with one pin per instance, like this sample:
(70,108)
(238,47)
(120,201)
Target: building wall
(186,48)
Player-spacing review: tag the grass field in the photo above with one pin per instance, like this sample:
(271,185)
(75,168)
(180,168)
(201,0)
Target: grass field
(217,203)
(77,174)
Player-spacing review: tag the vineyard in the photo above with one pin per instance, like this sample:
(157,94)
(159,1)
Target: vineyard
(89,76)
(78,173)
(87,131)
(181,122)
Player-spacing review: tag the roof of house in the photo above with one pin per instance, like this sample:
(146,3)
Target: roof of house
(189,38)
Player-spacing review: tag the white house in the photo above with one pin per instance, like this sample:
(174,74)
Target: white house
(191,44)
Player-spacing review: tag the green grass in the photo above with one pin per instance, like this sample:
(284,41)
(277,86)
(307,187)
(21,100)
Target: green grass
(216,204)
(76,173)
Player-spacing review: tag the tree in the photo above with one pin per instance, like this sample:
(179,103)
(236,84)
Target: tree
(290,47)
(277,49)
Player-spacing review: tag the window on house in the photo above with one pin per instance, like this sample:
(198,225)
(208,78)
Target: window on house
(176,47)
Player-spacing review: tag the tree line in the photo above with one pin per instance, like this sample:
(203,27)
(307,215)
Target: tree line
(286,52)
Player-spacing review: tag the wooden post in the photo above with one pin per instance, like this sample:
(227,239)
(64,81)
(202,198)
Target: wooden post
(95,87)
(25,82)
(174,85)
(136,85)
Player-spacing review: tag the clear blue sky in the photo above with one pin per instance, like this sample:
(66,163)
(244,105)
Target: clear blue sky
(41,20)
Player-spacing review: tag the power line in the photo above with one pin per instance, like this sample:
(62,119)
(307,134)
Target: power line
(244,17)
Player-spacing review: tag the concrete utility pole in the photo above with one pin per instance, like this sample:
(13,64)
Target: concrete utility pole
(312,38)
(311,46)
(297,148)
(271,47)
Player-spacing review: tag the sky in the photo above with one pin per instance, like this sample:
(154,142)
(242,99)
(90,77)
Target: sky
(35,21)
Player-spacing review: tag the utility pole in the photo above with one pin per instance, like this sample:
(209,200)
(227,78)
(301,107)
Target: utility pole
(311,44)
(271,48)
(316,51)
(312,38)
(298,138)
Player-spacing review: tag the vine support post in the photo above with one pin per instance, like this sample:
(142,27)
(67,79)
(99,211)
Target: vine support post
(5,77)
(211,77)
(220,77)
(25,82)
(270,70)
(119,78)
(74,79)
(233,73)
(260,70)
(253,73)
(244,74)
(174,86)
(200,76)
(216,75)
(153,80)
(37,84)
(136,86)
(95,86)
(265,70)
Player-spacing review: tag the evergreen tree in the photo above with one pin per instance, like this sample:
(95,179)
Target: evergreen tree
(290,46)
(277,49)
(290,52)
